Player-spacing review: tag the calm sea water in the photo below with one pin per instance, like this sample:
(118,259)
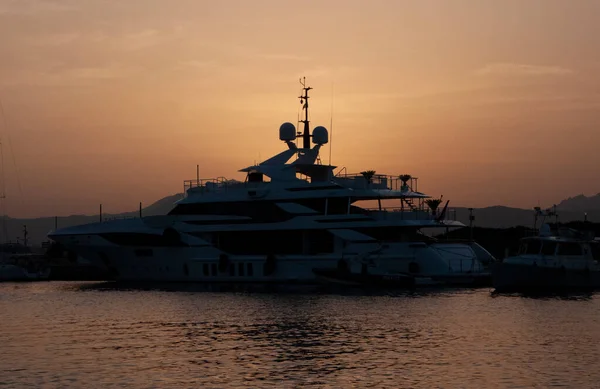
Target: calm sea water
(86,335)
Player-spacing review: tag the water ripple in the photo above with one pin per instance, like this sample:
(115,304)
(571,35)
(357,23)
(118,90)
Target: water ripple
(98,335)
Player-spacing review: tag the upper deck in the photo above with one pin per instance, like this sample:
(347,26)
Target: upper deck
(356,181)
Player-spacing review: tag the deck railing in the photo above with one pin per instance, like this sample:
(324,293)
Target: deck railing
(209,185)
(405,213)
(347,180)
(377,181)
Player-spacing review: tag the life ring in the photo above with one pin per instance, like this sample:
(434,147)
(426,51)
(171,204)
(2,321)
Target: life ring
(270,265)
(414,267)
(223,263)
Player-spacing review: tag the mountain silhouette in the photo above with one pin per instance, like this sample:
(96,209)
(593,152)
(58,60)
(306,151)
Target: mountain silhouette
(581,203)
(38,228)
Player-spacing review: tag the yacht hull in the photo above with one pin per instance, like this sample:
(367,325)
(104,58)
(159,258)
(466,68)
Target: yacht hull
(437,264)
(201,264)
(367,280)
(507,277)
(403,280)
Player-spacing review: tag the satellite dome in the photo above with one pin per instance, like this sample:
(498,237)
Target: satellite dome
(287,132)
(320,136)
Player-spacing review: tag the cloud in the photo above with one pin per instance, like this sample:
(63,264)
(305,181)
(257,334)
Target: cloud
(56,39)
(196,64)
(32,7)
(141,39)
(283,57)
(516,69)
(71,76)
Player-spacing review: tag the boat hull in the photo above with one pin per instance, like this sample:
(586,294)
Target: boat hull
(507,277)
(368,280)
(17,273)
(409,281)
(439,263)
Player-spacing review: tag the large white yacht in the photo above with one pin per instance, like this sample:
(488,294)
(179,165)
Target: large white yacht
(293,219)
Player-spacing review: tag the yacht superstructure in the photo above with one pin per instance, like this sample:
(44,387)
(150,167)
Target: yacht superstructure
(291,219)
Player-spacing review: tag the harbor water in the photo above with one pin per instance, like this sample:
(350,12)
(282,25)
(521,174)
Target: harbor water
(88,335)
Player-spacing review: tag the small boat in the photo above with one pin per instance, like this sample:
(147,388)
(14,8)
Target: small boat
(24,267)
(563,259)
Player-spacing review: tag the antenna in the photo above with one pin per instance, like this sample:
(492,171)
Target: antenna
(331,124)
(304,101)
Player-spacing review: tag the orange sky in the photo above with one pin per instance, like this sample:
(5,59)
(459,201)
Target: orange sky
(488,102)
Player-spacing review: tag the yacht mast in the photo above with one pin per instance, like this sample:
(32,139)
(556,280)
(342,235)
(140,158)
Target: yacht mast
(304,100)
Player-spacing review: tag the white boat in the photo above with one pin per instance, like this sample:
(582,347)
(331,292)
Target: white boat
(554,260)
(24,267)
(289,220)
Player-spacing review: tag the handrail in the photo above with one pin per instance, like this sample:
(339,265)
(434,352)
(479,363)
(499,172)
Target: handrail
(348,180)
(418,210)
(390,182)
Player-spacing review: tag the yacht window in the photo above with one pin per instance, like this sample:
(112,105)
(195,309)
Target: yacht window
(213,269)
(533,247)
(240,269)
(205,269)
(250,270)
(259,211)
(569,248)
(232,269)
(261,242)
(549,248)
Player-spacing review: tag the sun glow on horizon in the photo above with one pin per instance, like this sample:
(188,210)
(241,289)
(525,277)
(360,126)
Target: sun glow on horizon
(488,102)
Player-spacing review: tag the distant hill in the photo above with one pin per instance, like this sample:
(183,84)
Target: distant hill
(489,217)
(39,228)
(505,217)
(581,203)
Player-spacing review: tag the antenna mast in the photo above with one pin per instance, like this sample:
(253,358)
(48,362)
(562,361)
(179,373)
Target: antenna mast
(304,101)
(331,125)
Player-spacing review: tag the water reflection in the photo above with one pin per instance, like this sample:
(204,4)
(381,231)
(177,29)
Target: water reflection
(114,335)
(548,295)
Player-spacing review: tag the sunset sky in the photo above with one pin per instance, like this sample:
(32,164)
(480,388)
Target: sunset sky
(488,102)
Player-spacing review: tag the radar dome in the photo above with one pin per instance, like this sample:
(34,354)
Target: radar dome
(287,132)
(320,135)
